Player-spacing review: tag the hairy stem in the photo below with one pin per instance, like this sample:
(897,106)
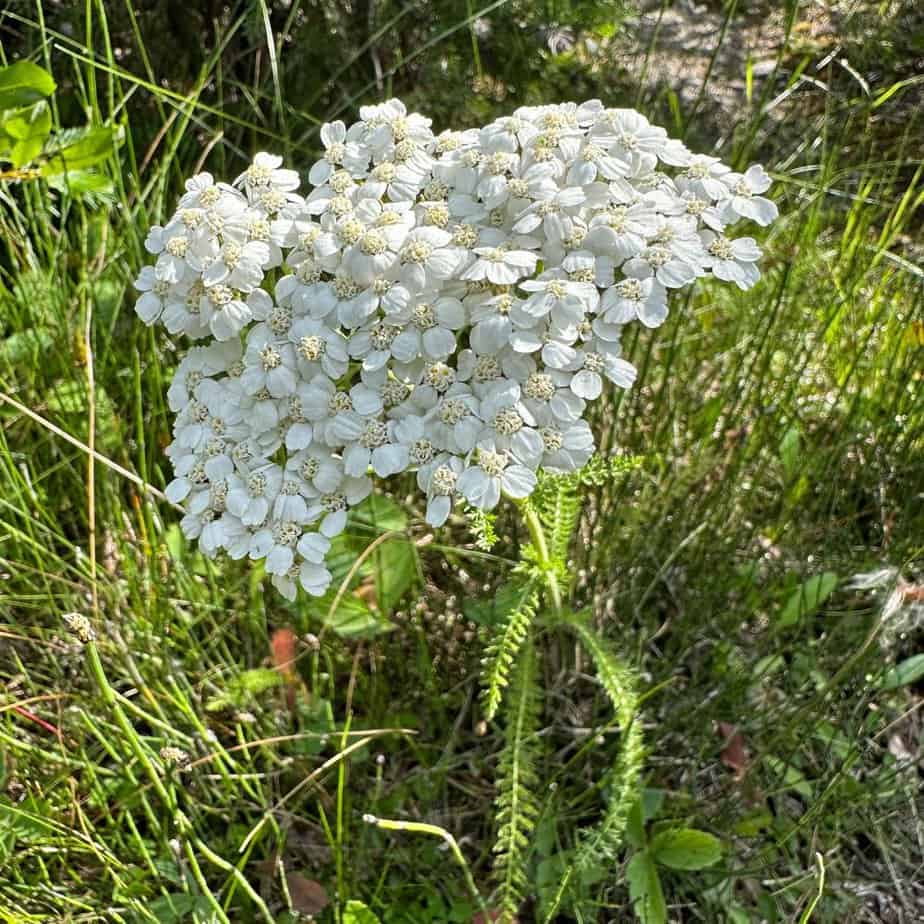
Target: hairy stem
(541,545)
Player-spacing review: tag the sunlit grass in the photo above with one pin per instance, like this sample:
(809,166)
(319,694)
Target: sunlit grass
(780,433)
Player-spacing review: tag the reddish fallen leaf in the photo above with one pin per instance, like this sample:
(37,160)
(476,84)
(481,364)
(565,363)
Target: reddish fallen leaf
(734,755)
(911,593)
(283,647)
(308,895)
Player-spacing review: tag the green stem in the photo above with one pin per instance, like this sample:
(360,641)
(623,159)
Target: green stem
(131,736)
(541,545)
(419,827)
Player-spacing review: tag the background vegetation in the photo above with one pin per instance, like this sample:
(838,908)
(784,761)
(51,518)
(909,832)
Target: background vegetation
(757,560)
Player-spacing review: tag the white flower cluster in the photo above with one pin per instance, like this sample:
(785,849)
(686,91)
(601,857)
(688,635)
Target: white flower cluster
(442,304)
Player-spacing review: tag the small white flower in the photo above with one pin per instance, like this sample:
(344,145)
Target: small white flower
(316,469)
(644,299)
(621,230)
(331,509)
(238,265)
(732,260)
(369,441)
(276,545)
(319,348)
(567,446)
(508,424)
(155,294)
(265,172)
(426,329)
(744,199)
(490,473)
(251,493)
(566,302)
(269,363)
(704,177)
(500,265)
(228,311)
(491,323)
(597,364)
(427,258)
(438,480)
(338,154)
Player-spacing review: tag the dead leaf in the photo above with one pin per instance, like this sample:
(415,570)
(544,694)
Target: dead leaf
(283,645)
(366,592)
(308,895)
(911,593)
(734,755)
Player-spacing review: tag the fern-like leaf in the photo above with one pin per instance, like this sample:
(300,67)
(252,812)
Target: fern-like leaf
(560,512)
(517,781)
(503,649)
(481,523)
(598,845)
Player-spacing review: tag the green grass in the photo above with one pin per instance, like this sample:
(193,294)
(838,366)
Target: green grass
(780,434)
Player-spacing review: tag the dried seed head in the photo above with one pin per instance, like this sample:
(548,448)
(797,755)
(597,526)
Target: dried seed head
(80,626)
(175,757)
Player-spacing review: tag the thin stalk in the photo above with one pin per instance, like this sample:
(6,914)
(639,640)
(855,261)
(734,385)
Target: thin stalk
(418,827)
(131,736)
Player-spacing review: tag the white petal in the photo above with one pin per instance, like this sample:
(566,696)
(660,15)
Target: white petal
(518,481)
(587,384)
(439,342)
(334,524)
(389,460)
(438,509)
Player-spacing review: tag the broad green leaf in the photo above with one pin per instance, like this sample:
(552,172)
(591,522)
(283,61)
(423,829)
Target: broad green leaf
(645,889)
(395,571)
(791,777)
(393,563)
(491,611)
(26,346)
(754,823)
(357,913)
(808,598)
(179,907)
(643,811)
(89,147)
(907,671)
(82,183)
(30,122)
(25,151)
(652,800)
(635,826)
(22,84)
(351,617)
(244,688)
(23,133)
(737,915)
(380,512)
(686,848)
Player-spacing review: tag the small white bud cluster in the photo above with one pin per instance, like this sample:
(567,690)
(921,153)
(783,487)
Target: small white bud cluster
(445,304)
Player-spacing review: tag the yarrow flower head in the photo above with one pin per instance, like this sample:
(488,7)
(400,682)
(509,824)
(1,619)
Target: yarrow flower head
(447,305)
